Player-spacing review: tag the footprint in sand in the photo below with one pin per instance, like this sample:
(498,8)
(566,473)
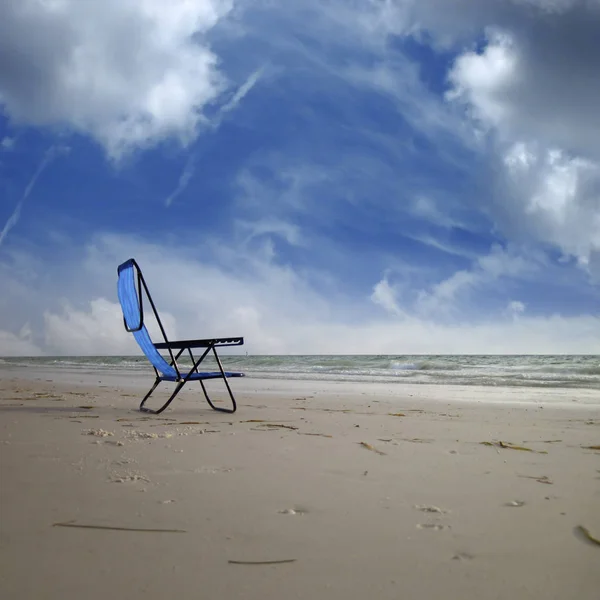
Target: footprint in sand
(431,509)
(434,526)
(293,511)
(144,435)
(463,556)
(129,478)
(212,470)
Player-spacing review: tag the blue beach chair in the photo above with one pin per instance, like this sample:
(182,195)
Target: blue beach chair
(129,287)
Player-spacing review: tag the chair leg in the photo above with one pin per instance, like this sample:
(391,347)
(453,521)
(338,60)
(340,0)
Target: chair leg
(225,410)
(148,396)
(164,406)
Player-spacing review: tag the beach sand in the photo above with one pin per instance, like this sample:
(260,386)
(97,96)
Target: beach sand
(363,491)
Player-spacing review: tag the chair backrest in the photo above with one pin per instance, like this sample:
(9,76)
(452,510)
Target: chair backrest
(129,290)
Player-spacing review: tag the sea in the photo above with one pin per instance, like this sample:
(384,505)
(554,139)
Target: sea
(540,371)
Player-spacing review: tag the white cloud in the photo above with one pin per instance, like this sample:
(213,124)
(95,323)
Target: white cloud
(270,226)
(127,73)
(511,86)
(532,88)
(275,308)
(530,85)
(18,344)
(535,78)
(515,308)
(400,80)
(444,298)
(96,329)
(480,80)
(184,180)
(385,296)
(49,156)
(545,195)
(426,208)
(240,93)
(7,143)
(542,139)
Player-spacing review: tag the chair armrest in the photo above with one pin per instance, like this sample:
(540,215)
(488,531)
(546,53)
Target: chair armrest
(184,344)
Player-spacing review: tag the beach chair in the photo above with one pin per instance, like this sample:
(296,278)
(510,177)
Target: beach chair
(130,286)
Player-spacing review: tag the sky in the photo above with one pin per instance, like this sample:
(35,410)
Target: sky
(318,176)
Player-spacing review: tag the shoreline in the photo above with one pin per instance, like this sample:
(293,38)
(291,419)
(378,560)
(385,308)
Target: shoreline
(551,397)
(369,489)
(521,372)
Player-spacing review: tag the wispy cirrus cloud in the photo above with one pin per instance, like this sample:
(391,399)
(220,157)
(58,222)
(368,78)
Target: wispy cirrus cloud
(184,180)
(52,153)
(242,91)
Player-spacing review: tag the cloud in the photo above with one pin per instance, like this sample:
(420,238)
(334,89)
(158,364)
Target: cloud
(515,308)
(240,94)
(184,180)
(516,82)
(443,299)
(385,296)
(49,156)
(127,73)
(364,155)
(18,344)
(269,226)
(546,195)
(95,329)
(506,94)
(544,163)
(7,143)
(276,308)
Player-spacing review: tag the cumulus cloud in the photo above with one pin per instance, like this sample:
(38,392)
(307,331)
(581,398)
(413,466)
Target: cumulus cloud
(547,195)
(517,82)
(532,87)
(127,73)
(18,344)
(95,329)
(384,295)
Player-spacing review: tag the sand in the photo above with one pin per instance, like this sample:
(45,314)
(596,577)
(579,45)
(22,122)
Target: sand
(355,491)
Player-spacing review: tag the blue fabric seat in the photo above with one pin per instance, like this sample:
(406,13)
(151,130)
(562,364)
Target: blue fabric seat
(131,287)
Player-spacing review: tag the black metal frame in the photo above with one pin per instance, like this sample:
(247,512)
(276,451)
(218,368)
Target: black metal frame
(183,346)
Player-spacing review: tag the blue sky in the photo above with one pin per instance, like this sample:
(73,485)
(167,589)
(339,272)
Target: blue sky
(374,176)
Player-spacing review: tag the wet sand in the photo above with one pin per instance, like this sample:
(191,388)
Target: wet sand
(347,490)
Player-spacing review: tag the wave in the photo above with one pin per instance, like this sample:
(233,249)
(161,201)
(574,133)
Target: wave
(423,366)
(511,371)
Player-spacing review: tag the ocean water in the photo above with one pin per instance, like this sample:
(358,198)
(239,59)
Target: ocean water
(560,371)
